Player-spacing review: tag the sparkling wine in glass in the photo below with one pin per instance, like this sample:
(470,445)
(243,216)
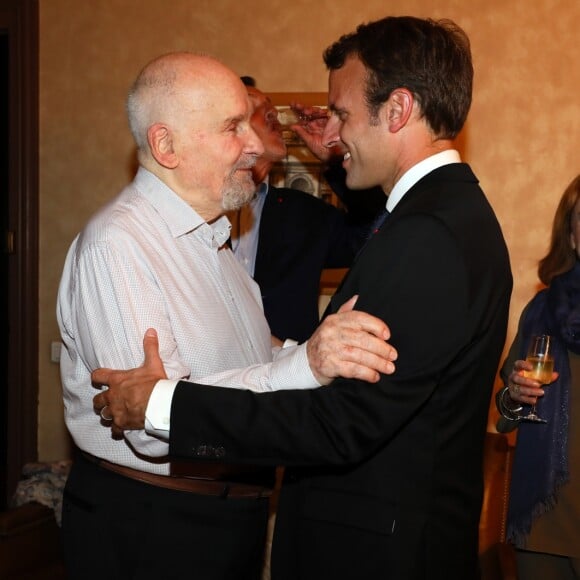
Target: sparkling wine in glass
(287,117)
(542,359)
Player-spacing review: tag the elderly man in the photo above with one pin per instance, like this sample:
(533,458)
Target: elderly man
(156,256)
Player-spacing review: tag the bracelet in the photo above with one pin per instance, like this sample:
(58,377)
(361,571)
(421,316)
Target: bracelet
(506,410)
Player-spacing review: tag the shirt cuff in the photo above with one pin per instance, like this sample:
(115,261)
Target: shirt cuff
(158,412)
(292,369)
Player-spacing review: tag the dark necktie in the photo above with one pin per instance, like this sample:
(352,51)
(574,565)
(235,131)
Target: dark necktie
(375,227)
(379,220)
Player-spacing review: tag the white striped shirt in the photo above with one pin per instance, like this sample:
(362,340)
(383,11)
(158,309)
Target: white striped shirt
(148,260)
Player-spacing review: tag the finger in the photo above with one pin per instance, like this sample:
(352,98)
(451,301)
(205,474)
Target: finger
(524,393)
(312,140)
(522,365)
(151,348)
(309,137)
(99,401)
(527,399)
(360,372)
(349,304)
(514,389)
(362,324)
(352,362)
(318,114)
(369,370)
(100,377)
(105,414)
(118,433)
(372,324)
(363,343)
(377,355)
(341,334)
(377,364)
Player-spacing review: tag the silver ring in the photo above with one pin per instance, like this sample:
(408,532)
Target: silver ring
(103,417)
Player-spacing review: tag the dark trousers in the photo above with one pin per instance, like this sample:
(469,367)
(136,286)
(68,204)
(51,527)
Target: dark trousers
(118,528)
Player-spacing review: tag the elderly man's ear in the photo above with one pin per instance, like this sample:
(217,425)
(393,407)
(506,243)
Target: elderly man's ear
(160,141)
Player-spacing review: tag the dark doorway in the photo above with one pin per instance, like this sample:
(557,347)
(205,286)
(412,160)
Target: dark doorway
(19,191)
(4,188)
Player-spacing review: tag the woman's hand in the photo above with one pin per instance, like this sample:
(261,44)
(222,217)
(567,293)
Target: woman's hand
(522,389)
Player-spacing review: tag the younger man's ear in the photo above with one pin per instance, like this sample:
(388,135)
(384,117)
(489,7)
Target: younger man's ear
(398,109)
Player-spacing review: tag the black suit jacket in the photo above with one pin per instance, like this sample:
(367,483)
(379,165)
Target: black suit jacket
(299,236)
(385,480)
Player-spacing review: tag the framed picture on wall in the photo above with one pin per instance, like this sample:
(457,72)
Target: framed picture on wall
(300,169)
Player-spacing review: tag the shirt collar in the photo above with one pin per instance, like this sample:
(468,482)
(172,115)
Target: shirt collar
(180,217)
(413,175)
(263,188)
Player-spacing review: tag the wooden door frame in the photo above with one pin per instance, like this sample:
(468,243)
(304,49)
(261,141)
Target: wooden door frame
(22,23)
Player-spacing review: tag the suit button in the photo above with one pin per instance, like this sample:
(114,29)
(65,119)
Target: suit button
(201,451)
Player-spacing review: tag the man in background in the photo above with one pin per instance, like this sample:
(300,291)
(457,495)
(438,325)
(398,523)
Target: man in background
(284,237)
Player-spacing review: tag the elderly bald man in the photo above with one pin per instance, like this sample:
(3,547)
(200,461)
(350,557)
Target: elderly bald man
(155,256)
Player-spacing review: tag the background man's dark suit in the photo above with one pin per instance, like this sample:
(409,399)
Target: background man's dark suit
(299,236)
(386,478)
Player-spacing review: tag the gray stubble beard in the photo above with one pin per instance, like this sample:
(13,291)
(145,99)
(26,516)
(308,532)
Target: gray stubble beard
(237,194)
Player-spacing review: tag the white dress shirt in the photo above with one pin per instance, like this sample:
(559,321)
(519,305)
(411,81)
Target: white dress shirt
(246,228)
(148,260)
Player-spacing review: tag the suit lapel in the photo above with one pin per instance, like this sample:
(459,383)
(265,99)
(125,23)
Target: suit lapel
(417,194)
(272,219)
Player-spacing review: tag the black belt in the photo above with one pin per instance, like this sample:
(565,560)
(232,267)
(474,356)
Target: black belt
(199,484)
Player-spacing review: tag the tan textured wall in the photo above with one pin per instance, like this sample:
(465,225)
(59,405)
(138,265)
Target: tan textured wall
(522,137)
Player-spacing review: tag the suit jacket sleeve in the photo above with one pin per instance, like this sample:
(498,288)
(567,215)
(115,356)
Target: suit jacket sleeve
(350,420)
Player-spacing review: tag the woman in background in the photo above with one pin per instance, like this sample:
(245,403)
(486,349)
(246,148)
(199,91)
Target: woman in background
(544,509)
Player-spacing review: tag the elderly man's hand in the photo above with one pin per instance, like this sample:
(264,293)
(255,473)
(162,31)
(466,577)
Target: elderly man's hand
(351,344)
(125,401)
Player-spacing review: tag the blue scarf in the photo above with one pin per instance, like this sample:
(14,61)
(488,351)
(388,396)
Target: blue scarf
(540,465)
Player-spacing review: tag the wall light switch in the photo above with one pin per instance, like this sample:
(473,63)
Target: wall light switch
(55,352)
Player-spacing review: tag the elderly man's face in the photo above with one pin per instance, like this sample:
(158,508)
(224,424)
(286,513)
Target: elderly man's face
(216,145)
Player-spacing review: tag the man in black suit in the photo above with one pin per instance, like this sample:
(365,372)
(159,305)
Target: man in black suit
(285,237)
(383,480)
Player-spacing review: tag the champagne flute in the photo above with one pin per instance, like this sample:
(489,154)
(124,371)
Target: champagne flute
(542,359)
(289,115)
